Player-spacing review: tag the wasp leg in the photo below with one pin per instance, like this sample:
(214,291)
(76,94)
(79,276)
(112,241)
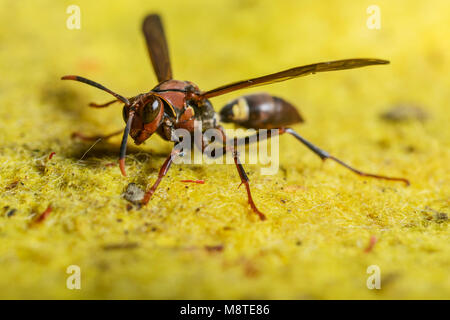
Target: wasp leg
(242,175)
(325,155)
(245,180)
(162,172)
(321,153)
(103,105)
(81,136)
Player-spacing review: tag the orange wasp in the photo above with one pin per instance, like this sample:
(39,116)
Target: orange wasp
(175,104)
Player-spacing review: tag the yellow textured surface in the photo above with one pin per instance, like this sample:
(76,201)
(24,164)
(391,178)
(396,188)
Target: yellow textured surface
(320,216)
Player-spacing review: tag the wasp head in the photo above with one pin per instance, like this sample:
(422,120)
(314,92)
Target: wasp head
(146,113)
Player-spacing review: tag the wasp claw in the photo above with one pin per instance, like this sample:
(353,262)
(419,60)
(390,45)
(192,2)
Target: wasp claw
(122,167)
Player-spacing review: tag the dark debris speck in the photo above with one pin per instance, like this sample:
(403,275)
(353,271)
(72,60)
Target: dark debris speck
(124,245)
(405,112)
(11,212)
(441,216)
(12,185)
(218,248)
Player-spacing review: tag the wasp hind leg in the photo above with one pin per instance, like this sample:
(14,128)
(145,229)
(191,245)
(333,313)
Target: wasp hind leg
(325,155)
(321,153)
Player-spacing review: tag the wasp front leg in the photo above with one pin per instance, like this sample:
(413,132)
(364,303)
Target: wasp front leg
(83,137)
(103,105)
(162,172)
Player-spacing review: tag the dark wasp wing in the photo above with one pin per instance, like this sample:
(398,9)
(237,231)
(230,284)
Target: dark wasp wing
(157,47)
(293,73)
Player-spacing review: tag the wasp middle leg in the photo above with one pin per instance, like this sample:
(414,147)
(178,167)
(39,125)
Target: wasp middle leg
(242,174)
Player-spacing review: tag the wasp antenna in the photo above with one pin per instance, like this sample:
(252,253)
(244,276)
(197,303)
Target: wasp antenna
(123,145)
(97,85)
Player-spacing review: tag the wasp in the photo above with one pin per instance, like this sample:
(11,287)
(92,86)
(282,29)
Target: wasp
(174,104)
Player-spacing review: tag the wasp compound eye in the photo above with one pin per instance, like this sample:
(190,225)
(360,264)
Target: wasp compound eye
(151,110)
(125,114)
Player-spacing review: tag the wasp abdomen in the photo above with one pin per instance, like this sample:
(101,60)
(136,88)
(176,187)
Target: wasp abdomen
(260,111)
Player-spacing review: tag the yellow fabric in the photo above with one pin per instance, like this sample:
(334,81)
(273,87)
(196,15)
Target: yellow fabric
(320,217)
